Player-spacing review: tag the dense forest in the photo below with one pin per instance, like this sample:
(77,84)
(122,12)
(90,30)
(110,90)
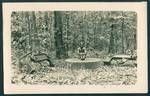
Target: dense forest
(60,33)
(111,32)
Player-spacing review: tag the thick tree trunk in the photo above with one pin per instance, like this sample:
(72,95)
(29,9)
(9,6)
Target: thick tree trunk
(67,45)
(111,42)
(59,44)
(47,31)
(33,32)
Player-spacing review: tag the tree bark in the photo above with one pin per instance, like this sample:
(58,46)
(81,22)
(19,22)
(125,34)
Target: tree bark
(67,47)
(34,32)
(122,34)
(111,44)
(59,44)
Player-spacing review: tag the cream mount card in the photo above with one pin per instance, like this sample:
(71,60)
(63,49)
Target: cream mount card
(75,47)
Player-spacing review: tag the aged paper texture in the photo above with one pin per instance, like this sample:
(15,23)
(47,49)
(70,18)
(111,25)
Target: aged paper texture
(75,47)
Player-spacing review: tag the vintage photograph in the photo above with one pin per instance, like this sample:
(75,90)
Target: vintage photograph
(67,48)
(74,47)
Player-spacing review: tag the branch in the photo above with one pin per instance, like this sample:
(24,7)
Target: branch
(22,57)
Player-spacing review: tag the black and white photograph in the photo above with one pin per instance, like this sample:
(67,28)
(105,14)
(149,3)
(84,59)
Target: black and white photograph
(75,47)
(47,46)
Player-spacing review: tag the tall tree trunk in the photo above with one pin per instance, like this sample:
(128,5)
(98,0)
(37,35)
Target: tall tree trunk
(47,31)
(59,44)
(94,36)
(28,30)
(135,41)
(67,45)
(35,35)
(111,42)
(122,33)
(74,42)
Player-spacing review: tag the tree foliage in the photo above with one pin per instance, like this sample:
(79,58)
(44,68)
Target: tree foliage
(62,31)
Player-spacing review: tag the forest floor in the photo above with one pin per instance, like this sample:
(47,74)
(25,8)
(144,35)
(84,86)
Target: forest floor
(101,75)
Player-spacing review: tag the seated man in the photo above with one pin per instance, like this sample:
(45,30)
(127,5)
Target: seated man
(82,53)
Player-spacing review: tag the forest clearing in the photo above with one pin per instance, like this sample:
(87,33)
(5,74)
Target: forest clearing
(42,41)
